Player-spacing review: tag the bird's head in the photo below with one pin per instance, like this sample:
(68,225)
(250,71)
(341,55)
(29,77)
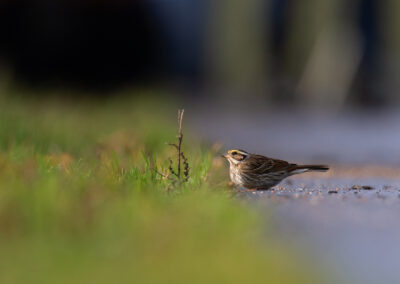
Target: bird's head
(236,156)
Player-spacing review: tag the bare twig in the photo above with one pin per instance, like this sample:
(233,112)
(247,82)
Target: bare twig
(182,165)
(180,138)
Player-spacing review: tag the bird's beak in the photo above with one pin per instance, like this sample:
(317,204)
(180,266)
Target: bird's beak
(224,156)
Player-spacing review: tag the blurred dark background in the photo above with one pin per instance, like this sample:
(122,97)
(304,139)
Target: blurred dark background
(329,53)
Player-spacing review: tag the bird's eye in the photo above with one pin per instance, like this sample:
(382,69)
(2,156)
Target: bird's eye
(234,153)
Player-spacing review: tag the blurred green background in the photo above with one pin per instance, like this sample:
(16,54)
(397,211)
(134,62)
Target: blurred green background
(81,202)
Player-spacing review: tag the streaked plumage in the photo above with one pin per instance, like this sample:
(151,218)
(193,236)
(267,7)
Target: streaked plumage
(257,172)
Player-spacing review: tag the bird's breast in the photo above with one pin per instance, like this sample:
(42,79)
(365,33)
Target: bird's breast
(235,175)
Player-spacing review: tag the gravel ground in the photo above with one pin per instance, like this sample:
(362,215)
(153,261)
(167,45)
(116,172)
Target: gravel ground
(351,225)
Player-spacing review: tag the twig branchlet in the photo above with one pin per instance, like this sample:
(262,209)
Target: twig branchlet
(186,167)
(170,168)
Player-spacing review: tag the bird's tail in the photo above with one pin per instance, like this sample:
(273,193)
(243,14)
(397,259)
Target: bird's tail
(308,168)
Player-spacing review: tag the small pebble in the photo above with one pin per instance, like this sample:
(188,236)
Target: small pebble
(364,187)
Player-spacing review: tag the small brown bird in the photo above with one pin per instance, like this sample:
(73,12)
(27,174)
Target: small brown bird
(257,172)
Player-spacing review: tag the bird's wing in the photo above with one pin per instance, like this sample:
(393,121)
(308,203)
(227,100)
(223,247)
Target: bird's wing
(258,165)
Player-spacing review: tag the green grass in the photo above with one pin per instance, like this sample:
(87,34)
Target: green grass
(80,203)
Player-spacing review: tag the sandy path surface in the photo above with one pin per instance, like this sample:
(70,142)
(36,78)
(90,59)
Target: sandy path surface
(350,224)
